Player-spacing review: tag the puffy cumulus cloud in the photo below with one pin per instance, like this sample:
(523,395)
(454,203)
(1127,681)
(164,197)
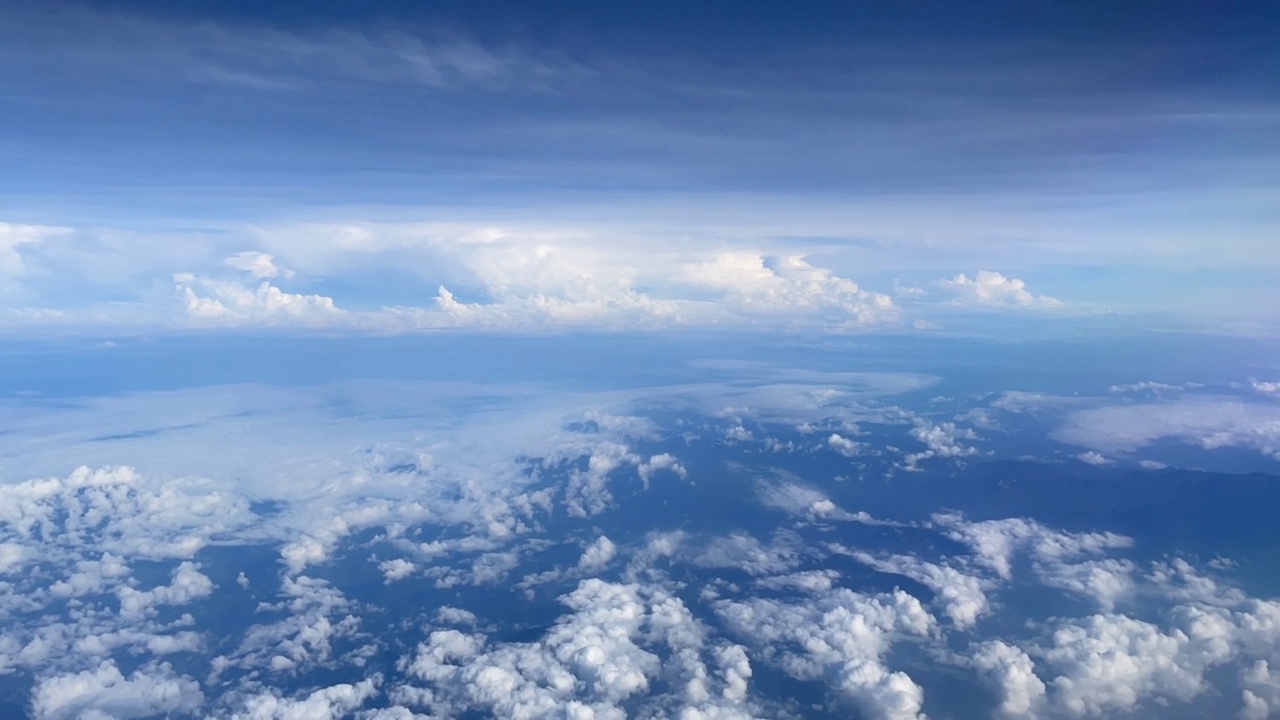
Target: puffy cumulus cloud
(597,555)
(104,693)
(587,491)
(1104,582)
(521,278)
(962,596)
(658,463)
(840,637)
(1109,663)
(1260,691)
(940,441)
(757,283)
(845,446)
(316,616)
(991,289)
(186,584)
(603,654)
(994,543)
(396,569)
(329,703)
(208,301)
(258,264)
(117,510)
(1012,672)
(1210,422)
(1093,458)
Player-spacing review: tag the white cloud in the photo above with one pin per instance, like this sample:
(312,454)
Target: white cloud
(597,555)
(1260,691)
(656,463)
(962,596)
(840,637)
(1012,672)
(1093,458)
(105,692)
(13,237)
(811,581)
(1105,581)
(994,543)
(845,446)
(230,302)
(1109,663)
(186,583)
(587,493)
(788,284)
(258,264)
(940,440)
(396,569)
(588,664)
(991,289)
(1210,422)
(330,703)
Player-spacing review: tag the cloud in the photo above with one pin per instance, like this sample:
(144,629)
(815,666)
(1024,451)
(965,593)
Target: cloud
(225,302)
(1012,672)
(1149,386)
(1093,458)
(845,446)
(597,555)
(329,703)
(787,493)
(473,276)
(1263,387)
(186,583)
(105,692)
(13,237)
(258,264)
(592,661)
(741,551)
(991,289)
(1108,663)
(962,596)
(163,52)
(996,542)
(1210,422)
(397,569)
(941,441)
(660,462)
(841,637)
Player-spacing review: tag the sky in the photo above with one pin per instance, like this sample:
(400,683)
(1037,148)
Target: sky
(408,167)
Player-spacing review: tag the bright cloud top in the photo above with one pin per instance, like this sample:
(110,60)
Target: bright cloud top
(456,277)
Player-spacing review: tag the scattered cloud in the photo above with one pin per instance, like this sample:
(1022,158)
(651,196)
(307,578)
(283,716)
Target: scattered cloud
(991,289)
(258,264)
(1210,422)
